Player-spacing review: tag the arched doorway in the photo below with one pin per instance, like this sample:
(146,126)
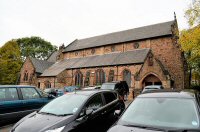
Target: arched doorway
(151,80)
(127,77)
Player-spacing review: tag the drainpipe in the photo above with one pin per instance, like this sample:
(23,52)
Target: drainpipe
(54,82)
(117,73)
(72,77)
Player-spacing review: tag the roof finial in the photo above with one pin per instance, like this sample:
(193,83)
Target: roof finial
(174,15)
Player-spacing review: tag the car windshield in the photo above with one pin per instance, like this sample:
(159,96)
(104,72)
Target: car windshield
(108,86)
(64,105)
(162,112)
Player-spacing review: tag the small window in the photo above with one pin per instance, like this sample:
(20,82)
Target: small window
(136,45)
(150,60)
(25,76)
(109,97)
(76,53)
(111,76)
(8,94)
(93,51)
(95,103)
(113,48)
(29,93)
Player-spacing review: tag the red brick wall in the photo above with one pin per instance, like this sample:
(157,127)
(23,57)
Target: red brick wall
(170,56)
(29,68)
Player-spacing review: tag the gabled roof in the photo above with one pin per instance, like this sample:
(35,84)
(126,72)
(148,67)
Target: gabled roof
(40,65)
(129,57)
(151,31)
(53,56)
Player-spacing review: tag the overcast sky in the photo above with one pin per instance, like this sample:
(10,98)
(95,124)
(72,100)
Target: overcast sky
(62,21)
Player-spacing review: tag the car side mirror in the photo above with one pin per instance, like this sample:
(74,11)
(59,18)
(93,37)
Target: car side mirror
(88,112)
(117,113)
(50,96)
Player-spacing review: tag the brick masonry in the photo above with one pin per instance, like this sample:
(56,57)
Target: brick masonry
(168,64)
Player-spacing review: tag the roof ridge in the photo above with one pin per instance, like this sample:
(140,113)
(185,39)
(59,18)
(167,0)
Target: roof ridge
(134,34)
(124,30)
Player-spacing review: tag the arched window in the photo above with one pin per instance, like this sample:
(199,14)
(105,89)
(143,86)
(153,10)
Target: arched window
(26,76)
(47,84)
(87,79)
(127,77)
(111,76)
(100,77)
(78,78)
(150,60)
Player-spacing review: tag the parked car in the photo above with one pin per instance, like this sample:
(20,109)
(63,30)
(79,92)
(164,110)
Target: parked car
(55,91)
(92,87)
(120,86)
(17,101)
(173,111)
(85,111)
(60,92)
(152,87)
(68,89)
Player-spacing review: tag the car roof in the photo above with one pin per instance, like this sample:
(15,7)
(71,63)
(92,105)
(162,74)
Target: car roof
(186,93)
(89,92)
(16,86)
(153,86)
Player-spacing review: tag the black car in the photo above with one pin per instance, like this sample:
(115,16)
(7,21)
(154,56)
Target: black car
(120,86)
(169,111)
(85,111)
(17,101)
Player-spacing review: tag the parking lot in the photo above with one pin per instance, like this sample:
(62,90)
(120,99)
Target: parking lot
(8,127)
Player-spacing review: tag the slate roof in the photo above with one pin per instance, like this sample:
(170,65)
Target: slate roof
(145,32)
(129,57)
(53,56)
(40,65)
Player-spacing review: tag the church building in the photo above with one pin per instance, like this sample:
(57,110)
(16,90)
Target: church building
(149,55)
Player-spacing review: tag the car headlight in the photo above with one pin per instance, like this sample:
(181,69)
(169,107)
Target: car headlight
(56,129)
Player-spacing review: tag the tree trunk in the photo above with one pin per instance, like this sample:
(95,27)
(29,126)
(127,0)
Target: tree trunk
(190,77)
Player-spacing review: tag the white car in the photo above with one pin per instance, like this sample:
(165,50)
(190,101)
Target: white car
(152,87)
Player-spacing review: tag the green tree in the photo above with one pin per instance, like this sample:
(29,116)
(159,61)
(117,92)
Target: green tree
(190,40)
(35,47)
(190,43)
(193,13)
(10,63)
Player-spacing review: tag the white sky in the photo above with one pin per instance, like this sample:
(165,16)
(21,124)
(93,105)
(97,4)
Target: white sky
(62,21)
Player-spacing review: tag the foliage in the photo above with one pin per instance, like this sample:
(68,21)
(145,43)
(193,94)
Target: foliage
(190,43)
(10,63)
(35,47)
(193,13)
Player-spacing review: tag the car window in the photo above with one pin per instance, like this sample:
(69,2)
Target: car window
(29,93)
(64,105)
(162,112)
(95,103)
(108,86)
(42,93)
(8,94)
(109,97)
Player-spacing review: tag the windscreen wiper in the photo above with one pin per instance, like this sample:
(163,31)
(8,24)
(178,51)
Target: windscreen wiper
(65,114)
(184,130)
(146,127)
(47,113)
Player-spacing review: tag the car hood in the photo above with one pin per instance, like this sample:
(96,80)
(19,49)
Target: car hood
(41,122)
(120,128)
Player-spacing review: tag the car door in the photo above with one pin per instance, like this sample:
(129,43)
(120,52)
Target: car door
(112,104)
(31,99)
(92,123)
(10,104)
